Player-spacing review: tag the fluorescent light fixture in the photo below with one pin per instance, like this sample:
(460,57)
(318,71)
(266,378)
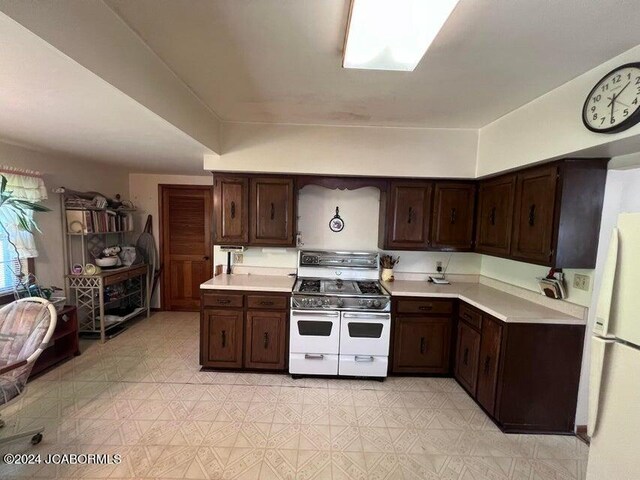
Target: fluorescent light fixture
(393,34)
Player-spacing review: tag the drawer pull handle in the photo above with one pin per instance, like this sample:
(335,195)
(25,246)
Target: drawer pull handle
(266,340)
(224,338)
(487,365)
(266,302)
(233,210)
(273,211)
(425,307)
(453,215)
(364,358)
(310,356)
(423,345)
(492,216)
(532,215)
(465,358)
(224,301)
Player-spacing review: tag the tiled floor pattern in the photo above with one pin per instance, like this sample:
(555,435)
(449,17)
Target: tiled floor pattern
(141,395)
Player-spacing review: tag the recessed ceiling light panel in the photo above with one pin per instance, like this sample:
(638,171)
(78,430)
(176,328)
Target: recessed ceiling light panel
(393,34)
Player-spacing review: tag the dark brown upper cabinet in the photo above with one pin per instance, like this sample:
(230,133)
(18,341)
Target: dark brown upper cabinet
(231,209)
(404,216)
(452,217)
(534,210)
(272,211)
(495,215)
(557,213)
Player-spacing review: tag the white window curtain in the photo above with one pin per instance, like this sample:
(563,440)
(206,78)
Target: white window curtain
(26,185)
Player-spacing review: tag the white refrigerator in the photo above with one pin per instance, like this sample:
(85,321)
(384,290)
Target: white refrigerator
(614,391)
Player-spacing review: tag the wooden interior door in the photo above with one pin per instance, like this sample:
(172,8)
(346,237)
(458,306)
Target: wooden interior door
(187,251)
(408,219)
(272,211)
(534,215)
(495,215)
(453,207)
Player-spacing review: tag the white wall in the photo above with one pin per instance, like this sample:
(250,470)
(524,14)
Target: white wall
(525,275)
(550,126)
(144,195)
(61,171)
(622,194)
(330,150)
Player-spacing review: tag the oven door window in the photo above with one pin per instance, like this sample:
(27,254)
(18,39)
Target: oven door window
(365,330)
(314,328)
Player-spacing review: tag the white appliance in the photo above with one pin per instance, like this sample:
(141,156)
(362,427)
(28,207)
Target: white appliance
(340,320)
(614,393)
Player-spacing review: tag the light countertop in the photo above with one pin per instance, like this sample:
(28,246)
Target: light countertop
(501,305)
(256,283)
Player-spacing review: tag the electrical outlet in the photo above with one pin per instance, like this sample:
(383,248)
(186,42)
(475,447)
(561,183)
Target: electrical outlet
(238,258)
(438,266)
(581,282)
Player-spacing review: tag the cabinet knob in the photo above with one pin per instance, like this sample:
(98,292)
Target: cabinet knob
(233,210)
(223,334)
(532,215)
(487,364)
(465,358)
(453,215)
(273,211)
(423,345)
(492,216)
(266,340)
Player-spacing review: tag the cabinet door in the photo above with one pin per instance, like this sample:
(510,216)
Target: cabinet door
(272,216)
(534,210)
(495,215)
(223,336)
(466,371)
(488,363)
(408,214)
(265,340)
(421,344)
(452,219)
(231,209)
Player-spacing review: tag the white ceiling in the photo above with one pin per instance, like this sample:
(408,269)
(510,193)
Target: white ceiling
(49,101)
(280,60)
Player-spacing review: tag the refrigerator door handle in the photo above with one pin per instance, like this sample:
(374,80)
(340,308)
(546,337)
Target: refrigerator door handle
(603,308)
(599,348)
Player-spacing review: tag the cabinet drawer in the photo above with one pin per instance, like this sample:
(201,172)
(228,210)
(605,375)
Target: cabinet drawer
(222,300)
(266,301)
(313,364)
(425,306)
(471,316)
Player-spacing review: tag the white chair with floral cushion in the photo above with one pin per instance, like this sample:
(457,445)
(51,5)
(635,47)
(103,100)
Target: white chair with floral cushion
(26,326)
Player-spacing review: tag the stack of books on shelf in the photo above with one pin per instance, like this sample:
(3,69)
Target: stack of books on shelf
(98,221)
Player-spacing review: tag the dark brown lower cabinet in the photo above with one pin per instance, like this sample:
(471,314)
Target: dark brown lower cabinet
(265,339)
(243,330)
(222,334)
(468,346)
(525,375)
(488,363)
(422,345)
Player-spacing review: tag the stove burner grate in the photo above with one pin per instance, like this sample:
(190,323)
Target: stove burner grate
(369,288)
(310,286)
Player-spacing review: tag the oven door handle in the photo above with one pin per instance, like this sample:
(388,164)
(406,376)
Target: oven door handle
(311,313)
(372,316)
(364,358)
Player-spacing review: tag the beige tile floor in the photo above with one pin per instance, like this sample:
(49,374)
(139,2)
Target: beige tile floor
(141,395)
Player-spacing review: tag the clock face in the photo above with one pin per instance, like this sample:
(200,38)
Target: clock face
(614,103)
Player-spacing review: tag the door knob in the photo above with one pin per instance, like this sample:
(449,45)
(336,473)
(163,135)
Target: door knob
(205,258)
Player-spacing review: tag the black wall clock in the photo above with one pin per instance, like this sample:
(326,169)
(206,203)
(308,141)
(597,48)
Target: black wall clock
(614,103)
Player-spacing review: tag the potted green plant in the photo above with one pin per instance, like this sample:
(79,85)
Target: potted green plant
(19,208)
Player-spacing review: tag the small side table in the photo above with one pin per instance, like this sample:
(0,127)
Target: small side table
(64,342)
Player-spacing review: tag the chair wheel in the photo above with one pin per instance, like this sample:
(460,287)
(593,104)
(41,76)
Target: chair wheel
(36,439)
(2,424)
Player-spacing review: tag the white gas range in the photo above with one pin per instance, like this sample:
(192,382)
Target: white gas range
(340,316)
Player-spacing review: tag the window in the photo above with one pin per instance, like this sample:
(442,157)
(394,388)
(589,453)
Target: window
(17,245)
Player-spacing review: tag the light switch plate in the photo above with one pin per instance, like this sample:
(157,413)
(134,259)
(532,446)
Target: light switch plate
(581,282)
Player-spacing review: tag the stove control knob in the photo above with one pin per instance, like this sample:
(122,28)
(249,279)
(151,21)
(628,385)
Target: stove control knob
(340,302)
(376,303)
